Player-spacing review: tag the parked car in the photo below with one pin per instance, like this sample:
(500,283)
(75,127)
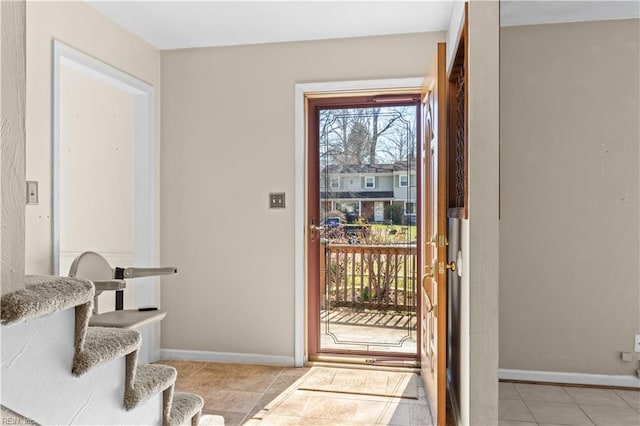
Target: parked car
(333,222)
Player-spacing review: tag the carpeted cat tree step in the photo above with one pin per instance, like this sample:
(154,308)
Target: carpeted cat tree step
(101,344)
(147,380)
(180,407)
(44,295)
(94,346)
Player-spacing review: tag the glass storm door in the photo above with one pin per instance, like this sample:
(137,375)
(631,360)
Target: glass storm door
(363,224)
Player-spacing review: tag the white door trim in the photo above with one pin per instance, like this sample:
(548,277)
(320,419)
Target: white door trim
(302,90)
(145,165)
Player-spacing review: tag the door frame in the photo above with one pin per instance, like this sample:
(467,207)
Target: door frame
(300,193)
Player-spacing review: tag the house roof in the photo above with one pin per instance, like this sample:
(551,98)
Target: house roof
(366,168)
(387,195)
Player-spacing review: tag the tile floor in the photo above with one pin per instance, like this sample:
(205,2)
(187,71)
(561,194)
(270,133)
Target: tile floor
(523,404)
(247,394)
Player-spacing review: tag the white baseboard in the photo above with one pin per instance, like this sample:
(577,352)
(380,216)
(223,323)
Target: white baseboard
(240,358)
(570,378)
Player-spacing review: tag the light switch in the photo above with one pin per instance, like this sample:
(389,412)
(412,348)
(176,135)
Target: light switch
(32,192)
(276,200)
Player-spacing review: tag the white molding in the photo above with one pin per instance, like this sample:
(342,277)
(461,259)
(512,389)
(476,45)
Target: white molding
(569,378)
(301,90)
(238,358)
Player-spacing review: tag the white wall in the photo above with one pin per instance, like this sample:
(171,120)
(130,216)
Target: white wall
(96,145)
(12,145)
(227,140)
(82,27)
(569,255)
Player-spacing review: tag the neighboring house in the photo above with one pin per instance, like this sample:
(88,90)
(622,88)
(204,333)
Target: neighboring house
(368,190)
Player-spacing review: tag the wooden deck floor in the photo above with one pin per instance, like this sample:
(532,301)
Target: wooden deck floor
(369,318)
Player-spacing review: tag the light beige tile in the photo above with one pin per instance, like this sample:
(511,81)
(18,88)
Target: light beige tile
(544,393)
(592,396)
(287,378)
(549,424)
(257,383)
(312,421)
(632,397)
(612,416)
(507,391)
(243,370)
(275,420)
(293,405)
(185,368)
(396,414)
(226,400)
(420,414)
(515,423)
(513,409)
(230,418)
(552,412)
(406,413)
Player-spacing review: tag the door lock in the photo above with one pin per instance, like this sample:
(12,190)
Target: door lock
(313,228)
(442,266)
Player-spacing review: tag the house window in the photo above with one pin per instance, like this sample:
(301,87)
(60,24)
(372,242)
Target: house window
(334,182)
(404,181)
(410,207)
(369,182)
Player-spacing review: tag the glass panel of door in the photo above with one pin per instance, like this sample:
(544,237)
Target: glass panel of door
(368,271)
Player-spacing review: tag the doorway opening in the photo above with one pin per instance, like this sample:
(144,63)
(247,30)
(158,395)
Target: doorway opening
(363,226)
(104,173)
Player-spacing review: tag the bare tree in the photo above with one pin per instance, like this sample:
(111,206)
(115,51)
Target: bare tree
(366,135)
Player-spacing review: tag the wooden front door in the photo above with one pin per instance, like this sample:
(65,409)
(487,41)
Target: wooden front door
(434,239)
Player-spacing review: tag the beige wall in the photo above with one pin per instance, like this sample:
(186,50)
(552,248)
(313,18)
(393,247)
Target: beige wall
(228,140)
(569,279)
(479,234)
(82,27)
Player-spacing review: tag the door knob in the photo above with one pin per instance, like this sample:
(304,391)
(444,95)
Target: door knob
(452,266)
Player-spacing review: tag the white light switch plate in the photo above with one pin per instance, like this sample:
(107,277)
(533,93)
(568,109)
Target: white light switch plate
(636,344)
(32,192)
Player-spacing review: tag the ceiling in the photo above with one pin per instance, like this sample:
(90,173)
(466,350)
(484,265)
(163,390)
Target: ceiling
(181,24)
(186,24)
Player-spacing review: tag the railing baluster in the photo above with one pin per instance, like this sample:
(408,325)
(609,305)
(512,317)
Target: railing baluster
(345,254)
(363,300)
(408,296)
(396,267)
(379,269)
(353,278)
